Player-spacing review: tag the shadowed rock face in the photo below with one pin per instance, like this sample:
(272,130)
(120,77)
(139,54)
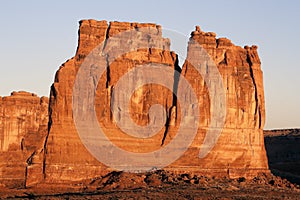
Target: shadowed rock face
(283,153)
(23,128)
(58,155)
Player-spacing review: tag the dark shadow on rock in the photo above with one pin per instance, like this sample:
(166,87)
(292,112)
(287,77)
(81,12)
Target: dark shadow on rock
(283,151)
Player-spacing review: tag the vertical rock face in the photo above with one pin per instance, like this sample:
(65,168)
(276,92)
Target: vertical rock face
(239,150)
(23,127)
(66,158)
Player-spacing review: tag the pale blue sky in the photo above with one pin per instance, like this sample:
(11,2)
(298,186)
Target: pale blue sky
(36,38)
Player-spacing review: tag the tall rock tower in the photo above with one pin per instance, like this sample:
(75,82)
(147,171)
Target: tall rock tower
(238,150)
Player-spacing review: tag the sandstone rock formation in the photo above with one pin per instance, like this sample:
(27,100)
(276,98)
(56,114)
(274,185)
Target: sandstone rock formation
(23,128)
(66,157)
(240,149)
(51,150)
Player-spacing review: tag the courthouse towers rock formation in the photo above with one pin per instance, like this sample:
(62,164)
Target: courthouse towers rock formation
(239,151)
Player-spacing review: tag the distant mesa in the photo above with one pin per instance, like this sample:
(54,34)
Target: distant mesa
(23,93)
(283,151)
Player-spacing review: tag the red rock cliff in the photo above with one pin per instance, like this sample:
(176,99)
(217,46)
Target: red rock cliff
(23,128)
(239,150)
(66,157)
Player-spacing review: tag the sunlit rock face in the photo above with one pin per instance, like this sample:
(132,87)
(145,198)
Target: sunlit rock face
(23,129)
(67,158)
(57,154)
(239,150)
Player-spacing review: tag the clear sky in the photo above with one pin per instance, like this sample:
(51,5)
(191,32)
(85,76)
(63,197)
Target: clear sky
(37,37)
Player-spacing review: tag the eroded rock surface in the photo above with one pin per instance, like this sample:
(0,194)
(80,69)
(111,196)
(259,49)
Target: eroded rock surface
(23,128)
(36,149)
(67,158)
(240,149)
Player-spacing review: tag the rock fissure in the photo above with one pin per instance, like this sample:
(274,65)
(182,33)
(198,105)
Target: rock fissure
(255,92)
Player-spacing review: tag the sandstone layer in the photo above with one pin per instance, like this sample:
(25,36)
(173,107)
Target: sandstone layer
(239,150)
(23,128)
